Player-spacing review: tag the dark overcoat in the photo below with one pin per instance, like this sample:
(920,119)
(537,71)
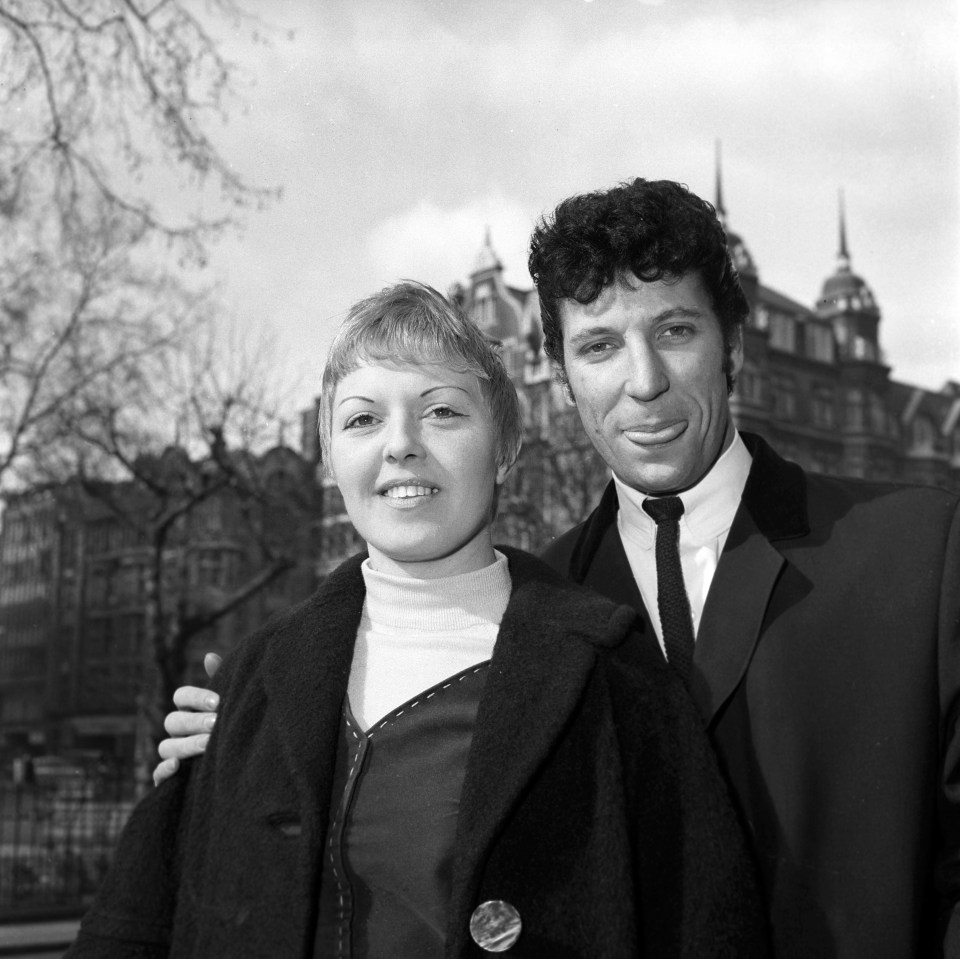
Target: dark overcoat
(827,669)
(592,800)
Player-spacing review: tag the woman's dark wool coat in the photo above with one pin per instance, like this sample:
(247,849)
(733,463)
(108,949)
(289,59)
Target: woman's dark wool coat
(592,801)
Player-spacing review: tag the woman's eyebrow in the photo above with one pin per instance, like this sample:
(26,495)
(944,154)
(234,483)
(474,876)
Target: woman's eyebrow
(445,386)
(363,399)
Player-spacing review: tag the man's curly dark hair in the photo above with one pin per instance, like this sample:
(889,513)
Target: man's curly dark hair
(655,229)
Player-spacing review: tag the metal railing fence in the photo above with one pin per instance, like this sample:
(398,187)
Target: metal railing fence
(57,835)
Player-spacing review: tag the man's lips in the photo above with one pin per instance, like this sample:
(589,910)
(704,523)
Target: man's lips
(656,435)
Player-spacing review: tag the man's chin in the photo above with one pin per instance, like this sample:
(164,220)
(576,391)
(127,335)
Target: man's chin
(653,482)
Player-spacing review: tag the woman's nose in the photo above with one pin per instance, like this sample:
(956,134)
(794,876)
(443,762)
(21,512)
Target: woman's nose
(402,441)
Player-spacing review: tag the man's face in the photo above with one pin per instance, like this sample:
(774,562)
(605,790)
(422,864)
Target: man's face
(646,366)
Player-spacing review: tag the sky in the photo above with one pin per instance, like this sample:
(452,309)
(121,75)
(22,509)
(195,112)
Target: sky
(400,131)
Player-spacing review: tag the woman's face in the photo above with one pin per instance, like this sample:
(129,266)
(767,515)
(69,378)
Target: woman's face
(413,449)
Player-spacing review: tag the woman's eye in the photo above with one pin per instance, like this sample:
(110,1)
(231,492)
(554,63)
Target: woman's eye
(443,412)
(358,420)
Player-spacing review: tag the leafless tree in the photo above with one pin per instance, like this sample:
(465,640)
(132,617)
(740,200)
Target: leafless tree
(106,157)
(112,100)
(558,480)
(183,466)
(77,324)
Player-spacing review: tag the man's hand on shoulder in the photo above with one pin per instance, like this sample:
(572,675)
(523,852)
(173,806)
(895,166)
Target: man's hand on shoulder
(189,725)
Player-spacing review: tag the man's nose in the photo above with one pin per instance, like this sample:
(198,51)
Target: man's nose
(402,440)
(647,376)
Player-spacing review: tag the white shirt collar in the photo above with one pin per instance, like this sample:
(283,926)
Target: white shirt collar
(708,507)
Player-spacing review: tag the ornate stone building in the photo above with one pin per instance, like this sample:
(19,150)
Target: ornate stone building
(815,383)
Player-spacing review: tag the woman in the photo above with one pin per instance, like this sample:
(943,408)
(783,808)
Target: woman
(443,752)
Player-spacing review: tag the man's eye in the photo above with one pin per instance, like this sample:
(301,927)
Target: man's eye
(597,349)
(677,332)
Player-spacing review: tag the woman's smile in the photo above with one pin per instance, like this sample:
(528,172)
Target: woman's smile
(408,497)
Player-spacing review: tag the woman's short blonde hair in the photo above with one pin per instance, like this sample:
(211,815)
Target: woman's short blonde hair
(410,322)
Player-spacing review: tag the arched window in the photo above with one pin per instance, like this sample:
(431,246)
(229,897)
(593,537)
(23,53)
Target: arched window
(750,384)
(878,415)
(855,410)
(823,407)
(784,398)
(923,436)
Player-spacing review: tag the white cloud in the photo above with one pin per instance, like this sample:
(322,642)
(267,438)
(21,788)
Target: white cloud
(402,130)
(438,245)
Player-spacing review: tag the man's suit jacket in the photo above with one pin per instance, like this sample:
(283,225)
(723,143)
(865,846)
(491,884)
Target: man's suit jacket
(827,668)
(592,801)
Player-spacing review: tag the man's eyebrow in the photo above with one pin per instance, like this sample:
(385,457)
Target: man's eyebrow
(673,312)
(678,311)
(589,333)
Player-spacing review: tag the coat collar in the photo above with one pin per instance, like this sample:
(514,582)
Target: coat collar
(772,511)
(545,651)
(776,493)
(775,497)
(306,668)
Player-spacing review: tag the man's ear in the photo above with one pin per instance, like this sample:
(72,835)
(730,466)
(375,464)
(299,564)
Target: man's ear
(560,374)
(735,354)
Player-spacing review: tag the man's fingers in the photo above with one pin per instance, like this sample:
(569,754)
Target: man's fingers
(211,663)
(165,770)
(188,724)
(194,697)
(183,747)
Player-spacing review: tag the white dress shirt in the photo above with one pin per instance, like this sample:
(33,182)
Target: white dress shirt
(708,511)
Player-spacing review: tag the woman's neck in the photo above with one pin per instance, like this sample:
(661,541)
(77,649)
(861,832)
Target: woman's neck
(477,554)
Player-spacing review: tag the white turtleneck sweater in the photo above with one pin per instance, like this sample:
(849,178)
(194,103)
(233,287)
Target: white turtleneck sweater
(416,632)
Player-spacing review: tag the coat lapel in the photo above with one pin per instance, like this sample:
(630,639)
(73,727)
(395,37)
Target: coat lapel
(544,655)
(306,672)
(733,614)
(773,508)
(600,561)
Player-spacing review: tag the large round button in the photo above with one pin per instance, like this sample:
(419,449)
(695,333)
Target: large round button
(495,925)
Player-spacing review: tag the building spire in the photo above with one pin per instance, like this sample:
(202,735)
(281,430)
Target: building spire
(487,258)
(843,255)
(718,203)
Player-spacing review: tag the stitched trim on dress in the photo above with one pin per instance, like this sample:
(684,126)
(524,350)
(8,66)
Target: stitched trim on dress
(398,713)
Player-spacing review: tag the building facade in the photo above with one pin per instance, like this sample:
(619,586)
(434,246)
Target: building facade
(88,583)
(814,383)
(73,586)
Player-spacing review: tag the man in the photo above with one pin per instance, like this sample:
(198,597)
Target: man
(817,623)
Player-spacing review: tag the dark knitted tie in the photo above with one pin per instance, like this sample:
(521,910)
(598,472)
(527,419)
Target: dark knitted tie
(675,619)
